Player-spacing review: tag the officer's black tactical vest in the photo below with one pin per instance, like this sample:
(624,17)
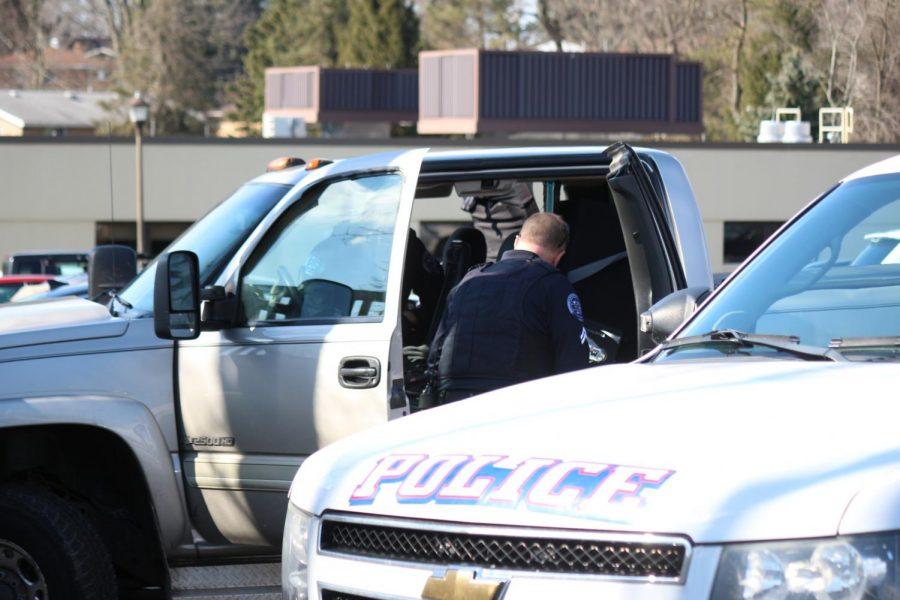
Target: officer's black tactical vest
(488,345)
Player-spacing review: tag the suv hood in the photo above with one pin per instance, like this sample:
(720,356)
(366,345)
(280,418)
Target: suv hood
(719,451)
(51,321)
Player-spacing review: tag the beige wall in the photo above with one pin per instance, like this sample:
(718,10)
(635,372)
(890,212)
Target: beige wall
(52,192)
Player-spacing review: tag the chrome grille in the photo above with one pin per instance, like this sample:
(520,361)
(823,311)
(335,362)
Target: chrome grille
(492,550)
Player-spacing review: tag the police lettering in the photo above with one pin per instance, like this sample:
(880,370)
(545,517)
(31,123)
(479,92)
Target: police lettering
(571,486)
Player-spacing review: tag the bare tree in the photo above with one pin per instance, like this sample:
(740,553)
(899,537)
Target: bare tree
(860,50)
(550,17)
(118,17)
(627,25)
(843,24)
(879,90)
(734,17)
(26,26)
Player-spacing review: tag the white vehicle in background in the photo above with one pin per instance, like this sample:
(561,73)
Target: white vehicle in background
(753,454)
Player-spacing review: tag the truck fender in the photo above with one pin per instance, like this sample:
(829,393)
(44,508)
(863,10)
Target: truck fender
(134,424)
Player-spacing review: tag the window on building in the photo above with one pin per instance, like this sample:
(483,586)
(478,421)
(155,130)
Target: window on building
(743,237)
(159,234)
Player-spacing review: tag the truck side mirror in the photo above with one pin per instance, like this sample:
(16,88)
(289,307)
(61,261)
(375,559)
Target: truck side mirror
(176,296)
(110,268)
(664,317)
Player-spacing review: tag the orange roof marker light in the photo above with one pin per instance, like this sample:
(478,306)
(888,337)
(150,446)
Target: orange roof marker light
(317,162)
(284,162)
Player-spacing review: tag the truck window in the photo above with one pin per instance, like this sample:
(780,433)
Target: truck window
(215,237)
(328,257)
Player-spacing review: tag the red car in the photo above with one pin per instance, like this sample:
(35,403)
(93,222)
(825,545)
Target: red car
(19,286)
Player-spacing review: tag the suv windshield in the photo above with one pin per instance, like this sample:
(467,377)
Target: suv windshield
(215,238)
(831,279)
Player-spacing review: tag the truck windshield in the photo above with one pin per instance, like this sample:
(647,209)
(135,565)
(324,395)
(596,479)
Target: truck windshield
(832,279)
(214,238)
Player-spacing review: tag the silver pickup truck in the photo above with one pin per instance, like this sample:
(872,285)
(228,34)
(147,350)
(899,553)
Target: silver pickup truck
(148,444)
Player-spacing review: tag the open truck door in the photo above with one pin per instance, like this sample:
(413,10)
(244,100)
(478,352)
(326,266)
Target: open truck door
(656,270)
(308,351)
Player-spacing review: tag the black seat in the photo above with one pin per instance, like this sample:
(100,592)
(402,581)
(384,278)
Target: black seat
(608,294)
(507,244)
(465,248)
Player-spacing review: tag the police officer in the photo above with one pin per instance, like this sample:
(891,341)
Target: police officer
(511,321)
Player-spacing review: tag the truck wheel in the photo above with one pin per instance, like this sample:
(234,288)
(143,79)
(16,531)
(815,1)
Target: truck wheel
(49,550)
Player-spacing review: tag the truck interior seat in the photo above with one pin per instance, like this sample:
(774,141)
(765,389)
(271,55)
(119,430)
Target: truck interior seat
(507,244)
(607,296)
(465,248)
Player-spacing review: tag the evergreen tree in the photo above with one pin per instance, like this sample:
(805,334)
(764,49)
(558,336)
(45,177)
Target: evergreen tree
(795,84)
(379,34)
(777,72)
(288,33)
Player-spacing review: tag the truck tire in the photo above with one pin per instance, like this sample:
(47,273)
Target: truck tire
(49,550)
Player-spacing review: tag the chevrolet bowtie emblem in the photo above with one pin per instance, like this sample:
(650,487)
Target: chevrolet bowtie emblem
(460,585)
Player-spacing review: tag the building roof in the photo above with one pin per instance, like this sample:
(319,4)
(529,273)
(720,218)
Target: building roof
(64,58)
(50,108)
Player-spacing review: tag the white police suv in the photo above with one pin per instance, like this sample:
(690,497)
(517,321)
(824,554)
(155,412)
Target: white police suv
(754,454)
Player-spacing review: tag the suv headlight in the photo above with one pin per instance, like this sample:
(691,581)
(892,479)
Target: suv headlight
(294,554)
(846,568)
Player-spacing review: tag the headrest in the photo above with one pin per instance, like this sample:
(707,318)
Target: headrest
(474,239)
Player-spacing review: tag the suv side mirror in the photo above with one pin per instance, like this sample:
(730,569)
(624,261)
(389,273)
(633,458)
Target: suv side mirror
(664,317)
(176,296)
(110,268)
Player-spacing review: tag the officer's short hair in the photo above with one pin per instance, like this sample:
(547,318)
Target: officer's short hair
(547,230)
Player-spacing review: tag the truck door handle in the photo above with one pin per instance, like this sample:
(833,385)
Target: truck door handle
(359,372)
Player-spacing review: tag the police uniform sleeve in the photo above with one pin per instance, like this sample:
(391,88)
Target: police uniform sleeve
(440,336)
(566,325)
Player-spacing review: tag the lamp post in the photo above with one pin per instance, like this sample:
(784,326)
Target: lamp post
(138,111)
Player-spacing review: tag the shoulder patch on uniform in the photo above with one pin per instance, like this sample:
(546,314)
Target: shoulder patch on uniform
(574,306)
